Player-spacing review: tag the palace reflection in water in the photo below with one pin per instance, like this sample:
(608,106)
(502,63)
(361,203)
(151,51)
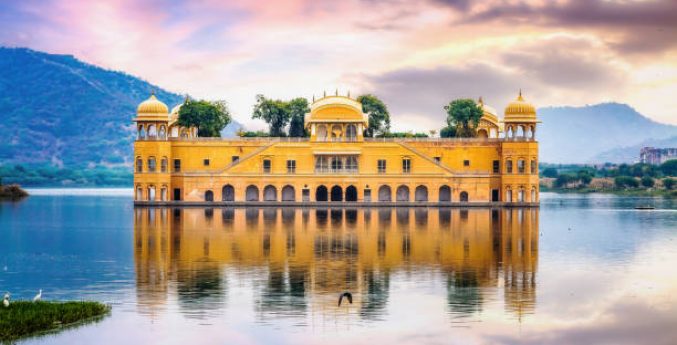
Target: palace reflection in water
(297,261)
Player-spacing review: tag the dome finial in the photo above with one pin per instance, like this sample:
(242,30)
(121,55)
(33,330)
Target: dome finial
(336,91)
(348,93)
(325,93)
(520,98)
(480,101)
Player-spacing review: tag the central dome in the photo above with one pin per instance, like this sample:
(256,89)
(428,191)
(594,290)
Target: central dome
(152,106)
(520,110)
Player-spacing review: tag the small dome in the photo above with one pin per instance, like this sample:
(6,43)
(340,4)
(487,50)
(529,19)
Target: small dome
(489,113)
(520,110)
(152,106)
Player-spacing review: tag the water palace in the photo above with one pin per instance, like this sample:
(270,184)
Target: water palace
(337,164)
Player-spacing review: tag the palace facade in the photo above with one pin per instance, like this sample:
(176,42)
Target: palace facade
(337,164)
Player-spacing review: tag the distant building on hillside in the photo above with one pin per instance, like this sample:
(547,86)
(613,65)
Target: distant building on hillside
(652,155)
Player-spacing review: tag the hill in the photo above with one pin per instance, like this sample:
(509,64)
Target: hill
(67,113)
(584,134)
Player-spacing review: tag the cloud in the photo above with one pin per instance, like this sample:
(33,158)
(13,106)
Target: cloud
(633,26)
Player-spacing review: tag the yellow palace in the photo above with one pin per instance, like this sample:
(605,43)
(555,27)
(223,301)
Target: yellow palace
(337,164)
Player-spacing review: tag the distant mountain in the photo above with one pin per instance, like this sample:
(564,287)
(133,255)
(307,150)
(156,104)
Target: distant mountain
(586,134)
(58,110)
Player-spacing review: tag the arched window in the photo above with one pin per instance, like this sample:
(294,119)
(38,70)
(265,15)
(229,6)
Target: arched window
(384,193)
(421,193)
(520,131)
(530,133)
(141,133)
(321,133)
(508,166)
(482,133)
(288,193)
(521,168)
(321,193)
(520,195)
(228,193)
(269,193)
(508,195)
(463,196)
(174,132)
(184,133)
(152,132)
(493,133)
(533,194)
(534,167)
(351,132)
(336,193)
(151,193)
(139,192)
(209,195)
(151,164)
(139,164)
(163,193)
(163,165)
(445,194)
(509,133)
(252,193)
(163,132)
(402,193)
(351,193)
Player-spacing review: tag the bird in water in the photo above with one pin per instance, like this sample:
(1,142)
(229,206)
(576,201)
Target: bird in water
(5,301)
(347,295)
(38,297)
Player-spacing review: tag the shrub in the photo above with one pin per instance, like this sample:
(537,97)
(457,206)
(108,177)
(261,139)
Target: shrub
(648,181)
(626,181)
(668,183)
(550,172)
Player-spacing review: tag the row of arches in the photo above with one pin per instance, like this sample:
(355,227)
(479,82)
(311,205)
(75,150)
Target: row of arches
(527,132)
(336,194)
(337,132)
(153,131)
(521,194)
(151,164)
(520,166)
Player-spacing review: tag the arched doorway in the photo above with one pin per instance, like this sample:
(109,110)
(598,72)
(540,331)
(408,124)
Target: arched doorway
(445,194)
(151,193)
(533,194)
(482,133)
(288,193)
(402,193)
(336,193)
(421,193)
(321,194)
(384,193)
(163,193)
(508,195)
(209,195)
(139,193)
(227,193)
(252,193)
(464,197)
(269,193)
(520,195)
(351,193)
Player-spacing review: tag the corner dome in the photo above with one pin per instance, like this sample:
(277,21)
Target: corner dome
(152,106)
(520,110)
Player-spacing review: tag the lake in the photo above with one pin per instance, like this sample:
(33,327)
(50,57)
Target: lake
(581,269)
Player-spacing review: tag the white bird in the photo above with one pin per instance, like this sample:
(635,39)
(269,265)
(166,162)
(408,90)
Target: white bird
(38,297)
(5,301)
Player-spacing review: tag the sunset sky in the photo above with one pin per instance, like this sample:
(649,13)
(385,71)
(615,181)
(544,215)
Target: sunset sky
(416,55)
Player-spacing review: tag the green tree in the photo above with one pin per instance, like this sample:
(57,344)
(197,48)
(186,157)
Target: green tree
(669,168)
(448,132)
(668,183)
(648,181)
(273,112)
(379,117)
(297,107)
(625,181)
(209,117)
(585,177)
(464,115)
(550,172)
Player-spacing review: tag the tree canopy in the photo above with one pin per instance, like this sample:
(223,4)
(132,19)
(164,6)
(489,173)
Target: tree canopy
(209,117)
(379,117)
(464,115)
(297,107)
(278,114)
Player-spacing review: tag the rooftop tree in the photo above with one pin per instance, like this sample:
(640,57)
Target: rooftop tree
(297,107)
(273,112)
(463,115)
(209,117)
(379,117)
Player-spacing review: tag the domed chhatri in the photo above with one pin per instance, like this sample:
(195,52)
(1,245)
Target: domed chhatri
(153,107)
(520,110)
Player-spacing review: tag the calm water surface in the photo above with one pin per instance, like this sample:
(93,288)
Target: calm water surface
(582,269)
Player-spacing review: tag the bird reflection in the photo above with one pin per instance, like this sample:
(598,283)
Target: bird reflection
(299,260)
